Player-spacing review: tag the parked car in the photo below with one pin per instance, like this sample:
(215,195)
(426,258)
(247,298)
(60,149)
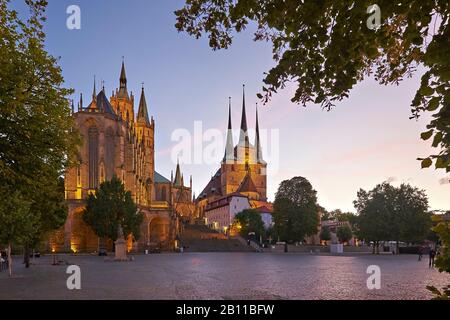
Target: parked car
(102,253)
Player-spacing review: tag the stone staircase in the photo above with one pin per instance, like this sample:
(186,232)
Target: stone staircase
(199,238)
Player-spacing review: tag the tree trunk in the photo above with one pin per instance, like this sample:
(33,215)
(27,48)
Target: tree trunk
(9,260)
(397,246)
(373,248)
(26,256)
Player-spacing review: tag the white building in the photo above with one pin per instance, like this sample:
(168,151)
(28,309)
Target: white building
(220,213)
(266,216)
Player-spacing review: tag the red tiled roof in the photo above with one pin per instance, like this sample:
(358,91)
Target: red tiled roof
(247,185)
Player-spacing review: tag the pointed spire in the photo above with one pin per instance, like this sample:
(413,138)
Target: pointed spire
(243,137)
(257,139)
(123,76)
(182,180)
(142,116)
(94,92)
(123,91)
(80,107)
(93,105)
(229,147)
(178,181)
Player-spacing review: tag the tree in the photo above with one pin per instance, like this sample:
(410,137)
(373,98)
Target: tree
(412,220)
(37,139)
(344,233)
(327,47)
(374,214)
(111,208)
(325,234)
(390,213)
(295,210)
(16,221)
(250,221)
(443,259)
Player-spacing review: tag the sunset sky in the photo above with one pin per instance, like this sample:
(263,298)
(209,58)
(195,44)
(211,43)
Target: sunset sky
(365,140)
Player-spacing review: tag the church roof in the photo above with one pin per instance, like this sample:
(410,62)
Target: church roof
(264,209)
(123,91)
(160,178)
(142,115)
(247,184)
(243,136)
(103,103)
(178,177)
(213,187)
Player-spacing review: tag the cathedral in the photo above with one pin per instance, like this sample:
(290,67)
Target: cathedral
(242,171)
(116,141)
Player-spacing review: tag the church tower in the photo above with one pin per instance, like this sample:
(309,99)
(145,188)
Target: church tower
(145,129)
(122,102)
(243,168)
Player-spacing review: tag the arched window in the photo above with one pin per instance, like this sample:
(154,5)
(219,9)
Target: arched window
(93,157)
(109,153)
(78,176)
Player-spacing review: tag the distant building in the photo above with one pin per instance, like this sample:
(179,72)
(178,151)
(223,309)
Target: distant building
(266,216)
(220,213)
(116,141)
(242,170)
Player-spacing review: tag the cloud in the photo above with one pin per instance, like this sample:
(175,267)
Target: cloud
(445,180)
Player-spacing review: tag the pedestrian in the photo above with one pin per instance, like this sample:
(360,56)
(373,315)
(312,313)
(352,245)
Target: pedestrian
(420,253)
(432,255)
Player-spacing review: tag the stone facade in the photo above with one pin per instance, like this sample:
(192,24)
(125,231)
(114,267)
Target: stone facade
(115,141)
(242,170)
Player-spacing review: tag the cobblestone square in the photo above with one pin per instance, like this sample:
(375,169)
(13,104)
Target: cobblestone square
(225,276)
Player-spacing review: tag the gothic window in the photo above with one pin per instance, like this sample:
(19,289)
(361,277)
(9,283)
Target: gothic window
(109,153)
(78,176)
(93,157)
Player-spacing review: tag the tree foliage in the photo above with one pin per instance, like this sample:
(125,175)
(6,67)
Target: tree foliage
(295,210)
(344,233)
(250,221)
(443,259)
(326,48)
(16,221)
(325,234)
(390,213)
(36,135)
(110,208)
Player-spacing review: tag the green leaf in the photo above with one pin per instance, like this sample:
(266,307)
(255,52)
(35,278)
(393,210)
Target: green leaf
(433,104)
(426,163)
(426,135)
(426,91)
(437,139)
(440,163)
